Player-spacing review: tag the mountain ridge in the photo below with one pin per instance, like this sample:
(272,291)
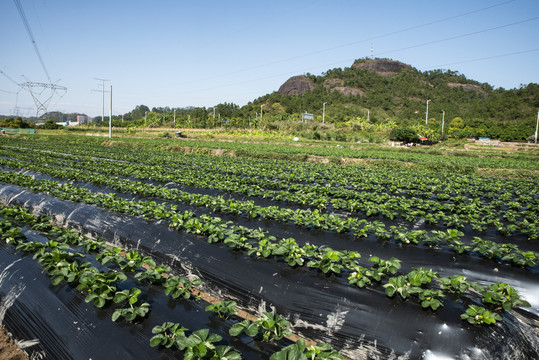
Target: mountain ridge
(390,91)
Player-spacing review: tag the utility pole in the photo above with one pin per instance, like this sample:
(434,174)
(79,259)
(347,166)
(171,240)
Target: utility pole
(368,115)
(110,114)
(427,113)
(443,119)
(145,117)
(102,91)
(174,117)
(323,112)
(537,127)
(261,112)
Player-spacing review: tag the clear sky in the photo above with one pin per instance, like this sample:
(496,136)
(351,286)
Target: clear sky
(205,52)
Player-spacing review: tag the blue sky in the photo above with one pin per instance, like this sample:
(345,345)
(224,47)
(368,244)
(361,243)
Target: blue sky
(206,52)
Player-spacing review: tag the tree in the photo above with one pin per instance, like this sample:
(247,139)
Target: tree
(199,116)
(17,123)
(50,125)
(456,124)
(403,134)
(137,113)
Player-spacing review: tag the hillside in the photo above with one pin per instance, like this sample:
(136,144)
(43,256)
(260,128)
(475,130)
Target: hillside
(373,96)
(386,90)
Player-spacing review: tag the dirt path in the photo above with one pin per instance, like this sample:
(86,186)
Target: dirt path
(8,349)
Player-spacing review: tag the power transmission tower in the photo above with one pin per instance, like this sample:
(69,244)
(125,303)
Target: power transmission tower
(22,112)
(37,90)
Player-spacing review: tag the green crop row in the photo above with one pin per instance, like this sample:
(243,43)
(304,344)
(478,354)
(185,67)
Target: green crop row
(324,259)
(428,159)
(359,227)
(513,211)
(101,286)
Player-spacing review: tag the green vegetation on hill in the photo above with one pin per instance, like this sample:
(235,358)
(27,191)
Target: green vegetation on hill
(471,108)
(370,98)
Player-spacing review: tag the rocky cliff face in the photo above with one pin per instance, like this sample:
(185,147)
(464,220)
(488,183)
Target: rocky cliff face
(469,87)
(338,85)
(384,67)
(296,85)
(300,84)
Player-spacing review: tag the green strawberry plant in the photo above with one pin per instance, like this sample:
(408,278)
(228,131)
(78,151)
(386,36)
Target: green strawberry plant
(199,344)
(399,285)
(154,275)
(384,267)
(99,285)
(459,247)
(249,328)
(265,248)
(32,246)
(487,248)
(136,308)
(223,352)
(269,327)
(360,277)
(328,261)
(238,242)
(479,315)
(522,258)
(134,260)
(50,259)
(431,298)
(180,286)
(168,335)
(291,252)
(11,234)
(110,255)
(348,258)
(67,271)
(298,351)
(421,276)
(93,245)
(503,296)
(223,309)
(455,284)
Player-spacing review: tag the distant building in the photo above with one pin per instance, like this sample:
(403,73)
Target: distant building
(83,119)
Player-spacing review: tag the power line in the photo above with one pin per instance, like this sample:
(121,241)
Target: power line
(390,51)
(461,36)
(8,92)
(485,58)
(9,78)
(415,27)
(347,61)
(29,31)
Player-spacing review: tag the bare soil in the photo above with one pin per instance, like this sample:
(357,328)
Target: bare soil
(8,349)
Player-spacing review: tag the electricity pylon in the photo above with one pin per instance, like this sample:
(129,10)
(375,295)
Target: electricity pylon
(37,90)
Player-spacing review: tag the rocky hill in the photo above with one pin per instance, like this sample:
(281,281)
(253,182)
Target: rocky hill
(387,90)
(383,67)
(296,85)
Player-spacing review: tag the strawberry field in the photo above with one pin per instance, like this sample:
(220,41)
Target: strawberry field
(154,253)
